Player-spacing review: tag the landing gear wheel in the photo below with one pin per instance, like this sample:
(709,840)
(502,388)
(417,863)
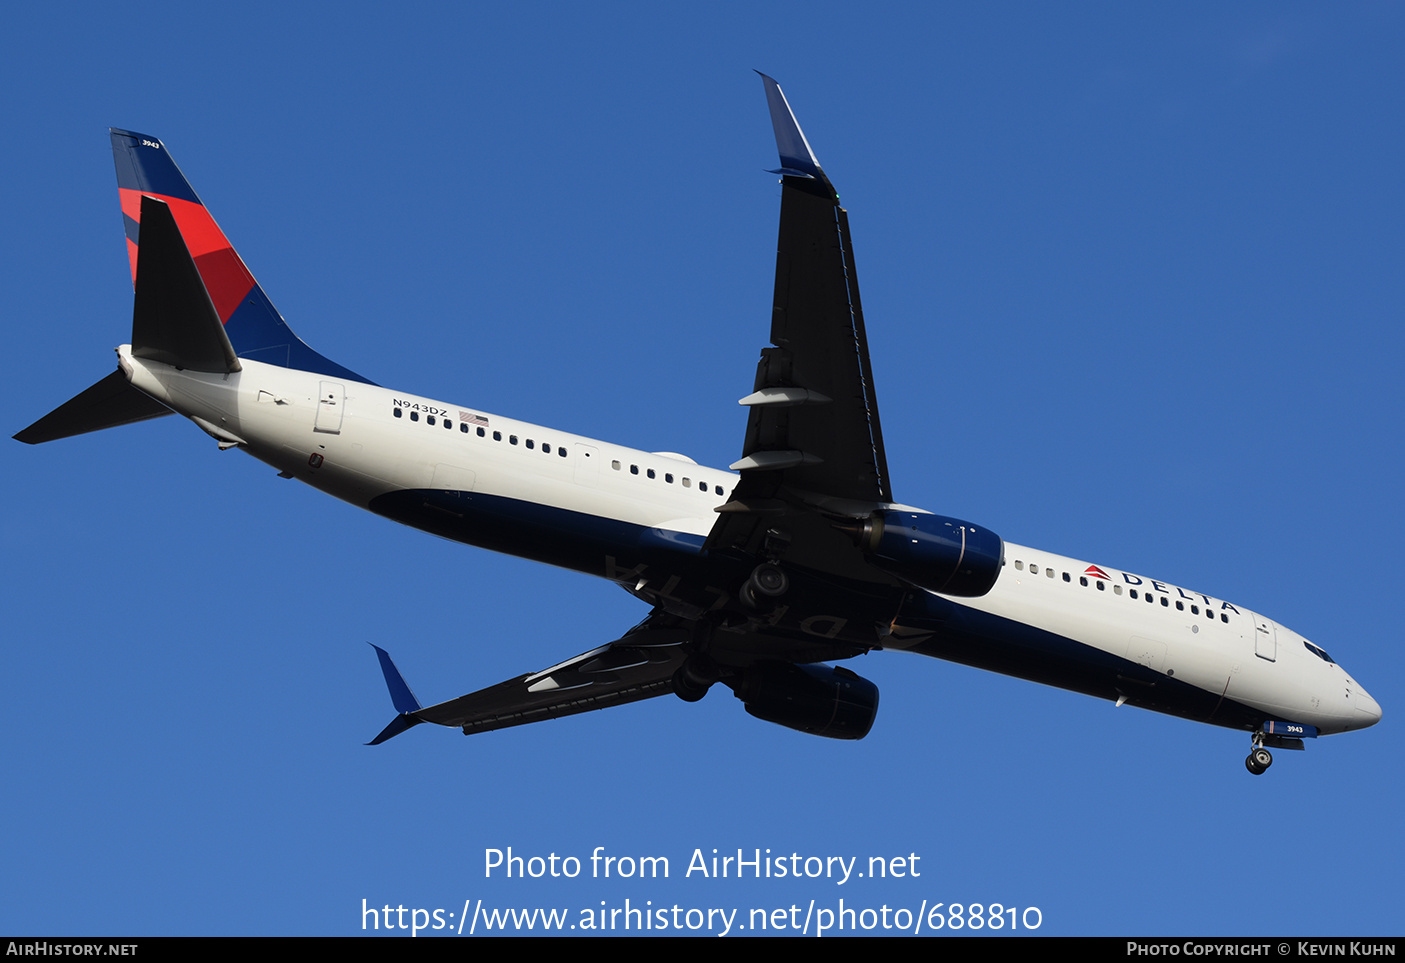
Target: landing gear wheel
(694,677)
(769,579)
(1260,758)
(1258,761)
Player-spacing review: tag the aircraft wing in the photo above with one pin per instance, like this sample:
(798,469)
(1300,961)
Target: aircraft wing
(638,666)
(813,427)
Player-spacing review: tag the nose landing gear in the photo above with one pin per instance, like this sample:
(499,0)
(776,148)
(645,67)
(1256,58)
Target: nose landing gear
(1279,735)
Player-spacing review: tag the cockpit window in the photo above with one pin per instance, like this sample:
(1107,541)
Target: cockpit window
(1318,652)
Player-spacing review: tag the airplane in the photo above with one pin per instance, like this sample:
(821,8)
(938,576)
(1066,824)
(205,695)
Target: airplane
(758,576)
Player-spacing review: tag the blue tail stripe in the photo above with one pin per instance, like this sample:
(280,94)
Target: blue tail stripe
(156,173)
(259,333)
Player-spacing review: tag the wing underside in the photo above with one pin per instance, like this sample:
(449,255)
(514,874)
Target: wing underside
(638,666)
(813,414)
(813,433)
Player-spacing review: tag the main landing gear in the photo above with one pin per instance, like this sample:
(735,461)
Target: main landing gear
(699,673)
(1259,758)
(694,677)
(766,581)
(1279,735)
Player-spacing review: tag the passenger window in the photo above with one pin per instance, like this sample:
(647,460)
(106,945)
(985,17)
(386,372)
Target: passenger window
(1019,566)
(512,439)
(634,469)
(482,433)
(497,436)
(1165,602)
(650,473)
(530,444)
(399,413)
(414,416)
(1083,580)
(430,419)
(463,427)
(615,464)
(561,451)
(1132,592)
(546,450)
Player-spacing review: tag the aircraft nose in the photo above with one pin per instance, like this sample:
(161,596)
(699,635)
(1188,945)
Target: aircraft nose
(1368,710)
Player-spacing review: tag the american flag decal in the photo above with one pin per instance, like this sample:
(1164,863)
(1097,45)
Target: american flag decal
(472,419)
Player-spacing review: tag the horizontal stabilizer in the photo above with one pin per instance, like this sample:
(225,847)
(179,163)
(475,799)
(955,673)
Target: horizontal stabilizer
(109,403)
(173,320)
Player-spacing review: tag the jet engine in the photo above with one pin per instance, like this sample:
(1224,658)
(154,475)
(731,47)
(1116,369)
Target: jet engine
(933,552)
(822,700)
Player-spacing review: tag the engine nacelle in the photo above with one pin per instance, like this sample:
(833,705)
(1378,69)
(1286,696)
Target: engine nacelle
(823,700)
(934,552)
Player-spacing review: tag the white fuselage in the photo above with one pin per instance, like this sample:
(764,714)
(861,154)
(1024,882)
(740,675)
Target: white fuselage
(358,441)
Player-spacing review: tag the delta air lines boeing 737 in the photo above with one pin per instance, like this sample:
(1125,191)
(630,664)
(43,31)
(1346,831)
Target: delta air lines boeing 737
(756,576)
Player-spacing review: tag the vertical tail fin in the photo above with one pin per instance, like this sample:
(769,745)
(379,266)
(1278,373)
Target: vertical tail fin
(254,327)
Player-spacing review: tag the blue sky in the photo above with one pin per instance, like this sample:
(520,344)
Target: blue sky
(1132,284)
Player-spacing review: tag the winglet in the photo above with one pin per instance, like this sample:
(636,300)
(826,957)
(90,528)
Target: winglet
(797,159)
(404,700)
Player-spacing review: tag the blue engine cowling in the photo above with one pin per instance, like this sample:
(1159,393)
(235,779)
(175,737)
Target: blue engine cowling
(823,700)
(934,552)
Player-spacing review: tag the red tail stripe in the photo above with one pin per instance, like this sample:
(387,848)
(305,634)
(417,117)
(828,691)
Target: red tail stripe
(224,274)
